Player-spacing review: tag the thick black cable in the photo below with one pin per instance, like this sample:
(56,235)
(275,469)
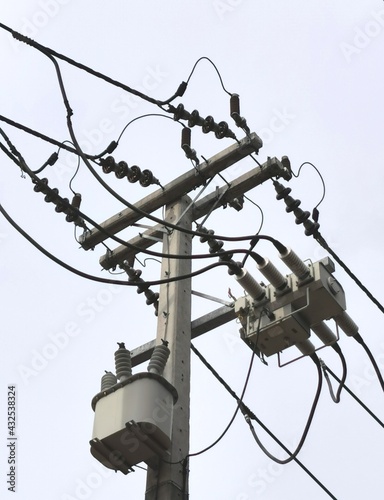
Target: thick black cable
(319,238)
(249,412)
(96,278)
(358,400)
(360,340)
(50,52)
(307,426)
(336,398)
(239,401)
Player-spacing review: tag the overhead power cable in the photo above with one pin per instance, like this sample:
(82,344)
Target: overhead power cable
(96,278)
(246,411)
(50,52)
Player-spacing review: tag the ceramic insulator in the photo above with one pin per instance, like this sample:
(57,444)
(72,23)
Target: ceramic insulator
(159,359)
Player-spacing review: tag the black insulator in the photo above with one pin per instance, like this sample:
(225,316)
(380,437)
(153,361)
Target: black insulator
(209,233)
(185,137)
(223,130)
(152,297)
(209,124)
(291,203)
(121,169)
(76,201)
(301,216)
(52,159)
(234,268)
(51,196)
(108,164)
(234,104)
(134,174)
(215,245)
(62,205)
(41,186)
(195,119)
(311,227)
(282,191)
(147,178)
(180,113)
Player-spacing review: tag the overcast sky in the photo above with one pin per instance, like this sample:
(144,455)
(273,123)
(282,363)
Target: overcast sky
(310,77)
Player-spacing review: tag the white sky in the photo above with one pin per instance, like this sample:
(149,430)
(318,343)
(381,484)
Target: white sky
(310,77)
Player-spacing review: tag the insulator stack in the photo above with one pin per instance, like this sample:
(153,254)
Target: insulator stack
(272,274)
(107,381)
(250,285)
(159,358)
(207,124)
(142,287)
(324,333)
(133,174)
(295,264)
(62,205)
(346,323)
(302,217)
(123,362)
(216,246)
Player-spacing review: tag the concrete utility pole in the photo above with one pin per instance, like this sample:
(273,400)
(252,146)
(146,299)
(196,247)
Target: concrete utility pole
(170,480)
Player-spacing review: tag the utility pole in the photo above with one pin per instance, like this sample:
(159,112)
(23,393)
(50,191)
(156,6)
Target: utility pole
(169,481)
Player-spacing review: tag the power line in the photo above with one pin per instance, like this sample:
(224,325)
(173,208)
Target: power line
(249,412)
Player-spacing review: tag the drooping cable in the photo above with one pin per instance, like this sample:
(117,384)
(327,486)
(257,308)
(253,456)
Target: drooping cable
(307,426)
(353,395)
(96,278)
(336,398)
(216,69)
(360,340)
(246,411)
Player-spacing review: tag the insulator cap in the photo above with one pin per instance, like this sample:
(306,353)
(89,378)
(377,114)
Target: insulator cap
(234,104)
(121,169)
(134,174)
(108,164)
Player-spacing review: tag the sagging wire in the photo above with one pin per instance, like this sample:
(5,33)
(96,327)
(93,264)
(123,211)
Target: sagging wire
(247,411)
(293,455)
(315,211)
(353,395)
(96,278)
(360,340)
(336,397)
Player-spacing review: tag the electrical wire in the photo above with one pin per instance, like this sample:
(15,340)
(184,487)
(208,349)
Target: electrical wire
(336,398)
(52,53)
(147,115)
(358,400)
(307,426)
(321,178)
(245,410)
(320,239)
(360,340)
(216,69)
(96,278)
